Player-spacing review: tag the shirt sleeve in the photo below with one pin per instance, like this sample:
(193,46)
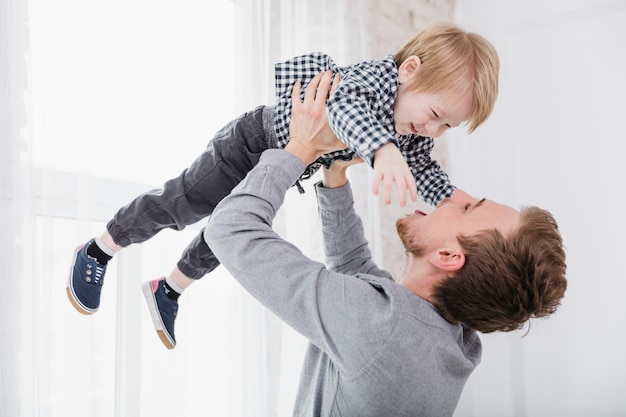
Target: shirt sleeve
(332,310)
(433,184)
(345,247)
(360,110)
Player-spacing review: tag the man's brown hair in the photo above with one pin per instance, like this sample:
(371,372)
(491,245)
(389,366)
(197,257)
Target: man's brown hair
(507,280)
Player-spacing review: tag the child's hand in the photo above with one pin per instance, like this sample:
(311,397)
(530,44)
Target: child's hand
(389,167)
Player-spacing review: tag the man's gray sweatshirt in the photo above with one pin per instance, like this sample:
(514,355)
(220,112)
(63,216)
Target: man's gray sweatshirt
(376,349)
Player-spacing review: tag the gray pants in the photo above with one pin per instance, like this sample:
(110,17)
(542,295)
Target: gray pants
(193,195)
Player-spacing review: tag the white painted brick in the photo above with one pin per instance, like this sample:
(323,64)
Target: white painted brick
(390,24)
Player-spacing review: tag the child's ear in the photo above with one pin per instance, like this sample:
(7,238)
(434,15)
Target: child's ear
(408,68)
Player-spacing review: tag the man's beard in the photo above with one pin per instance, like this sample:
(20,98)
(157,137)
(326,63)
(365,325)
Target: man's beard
(408,238)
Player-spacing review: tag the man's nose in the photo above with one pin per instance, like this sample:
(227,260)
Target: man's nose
(462,198)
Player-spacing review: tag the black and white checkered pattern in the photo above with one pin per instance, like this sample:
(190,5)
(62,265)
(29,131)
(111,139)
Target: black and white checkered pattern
(361,115)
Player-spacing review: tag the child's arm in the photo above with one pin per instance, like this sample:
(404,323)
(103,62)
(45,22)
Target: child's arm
(433,184)
(391,167)
(361,111)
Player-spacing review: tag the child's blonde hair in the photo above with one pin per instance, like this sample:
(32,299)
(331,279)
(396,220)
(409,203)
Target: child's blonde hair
(453,61)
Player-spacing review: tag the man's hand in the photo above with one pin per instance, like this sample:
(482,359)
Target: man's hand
(309,134)
(389,167)
(335,176)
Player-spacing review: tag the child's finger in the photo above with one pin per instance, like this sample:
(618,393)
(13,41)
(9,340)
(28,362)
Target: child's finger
(401,185)
(401,194)
(376,183)
(412,188)
(387,186)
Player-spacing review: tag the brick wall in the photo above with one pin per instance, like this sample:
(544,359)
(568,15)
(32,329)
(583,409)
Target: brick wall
(390,23)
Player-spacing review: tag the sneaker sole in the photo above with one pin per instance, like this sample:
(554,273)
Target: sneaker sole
(155,316)
(70,290)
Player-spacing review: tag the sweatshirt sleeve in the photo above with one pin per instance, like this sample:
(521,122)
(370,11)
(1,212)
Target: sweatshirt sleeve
(332,310)
(345,247)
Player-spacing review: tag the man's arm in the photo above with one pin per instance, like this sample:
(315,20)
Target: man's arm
(322,305)
(240,229)
(345,246)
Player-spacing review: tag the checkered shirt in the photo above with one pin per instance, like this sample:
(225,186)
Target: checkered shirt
(361,115)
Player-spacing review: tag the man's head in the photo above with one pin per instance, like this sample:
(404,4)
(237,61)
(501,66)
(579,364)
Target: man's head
(444,59)
(500,267)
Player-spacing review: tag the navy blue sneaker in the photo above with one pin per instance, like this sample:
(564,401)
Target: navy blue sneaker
(84,284)
(163,310)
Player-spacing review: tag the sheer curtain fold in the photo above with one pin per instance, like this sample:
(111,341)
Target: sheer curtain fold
(14,187)
(122,104)
(278,30)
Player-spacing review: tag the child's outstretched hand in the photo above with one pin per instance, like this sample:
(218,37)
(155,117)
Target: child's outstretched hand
(391,167)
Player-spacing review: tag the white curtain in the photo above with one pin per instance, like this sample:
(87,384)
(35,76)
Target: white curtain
(13,192)
(100,101)
(280,29)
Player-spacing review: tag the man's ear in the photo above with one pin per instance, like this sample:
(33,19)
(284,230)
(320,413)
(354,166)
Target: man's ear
(408,68)
(449,260)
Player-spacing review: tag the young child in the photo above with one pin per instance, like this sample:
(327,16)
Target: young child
(386,111)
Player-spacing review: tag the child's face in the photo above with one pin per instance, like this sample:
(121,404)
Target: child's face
(428,114)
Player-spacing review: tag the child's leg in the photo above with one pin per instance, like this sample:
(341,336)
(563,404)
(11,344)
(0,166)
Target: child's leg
(193,195)
(108,242)
(234,151)
(162,298)
(179,281)
(184,200)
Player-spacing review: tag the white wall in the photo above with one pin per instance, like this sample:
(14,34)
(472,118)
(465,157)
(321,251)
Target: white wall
(556,140)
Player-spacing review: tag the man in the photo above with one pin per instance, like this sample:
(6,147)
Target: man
(379,346)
